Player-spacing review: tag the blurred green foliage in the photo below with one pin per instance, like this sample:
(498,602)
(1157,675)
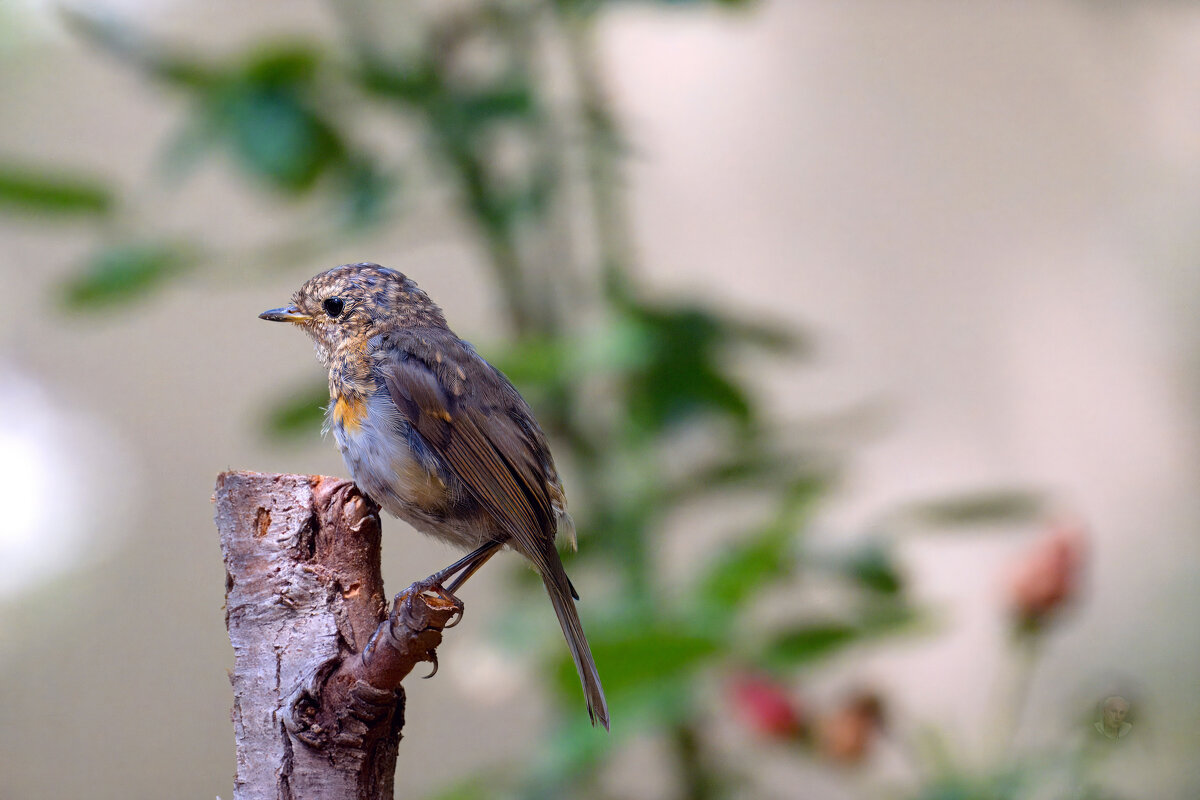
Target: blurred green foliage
(982,508)
(622,380)
(118,273)
(42,191)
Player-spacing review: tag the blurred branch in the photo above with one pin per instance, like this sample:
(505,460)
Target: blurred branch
(602,145)
(700,781)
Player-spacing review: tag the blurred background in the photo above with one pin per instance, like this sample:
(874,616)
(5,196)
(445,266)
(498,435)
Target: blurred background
(865,334)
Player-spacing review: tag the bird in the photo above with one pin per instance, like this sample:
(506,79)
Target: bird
(437,436)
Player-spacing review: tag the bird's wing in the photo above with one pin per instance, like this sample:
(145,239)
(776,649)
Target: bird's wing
(478,435)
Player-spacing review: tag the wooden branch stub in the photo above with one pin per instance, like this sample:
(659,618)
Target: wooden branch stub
(318,659)
(343,698)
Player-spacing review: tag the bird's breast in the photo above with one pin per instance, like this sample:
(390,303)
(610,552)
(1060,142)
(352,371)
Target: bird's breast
(379,450)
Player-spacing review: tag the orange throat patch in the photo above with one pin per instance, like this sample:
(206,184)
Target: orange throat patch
(349,412)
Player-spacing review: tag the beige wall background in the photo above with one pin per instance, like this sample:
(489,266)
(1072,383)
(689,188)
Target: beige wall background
(988,211)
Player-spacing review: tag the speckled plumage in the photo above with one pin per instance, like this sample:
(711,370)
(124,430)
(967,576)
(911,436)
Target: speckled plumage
(435,434)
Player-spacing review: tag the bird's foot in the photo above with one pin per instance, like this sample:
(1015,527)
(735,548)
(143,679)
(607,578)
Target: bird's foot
(432,587)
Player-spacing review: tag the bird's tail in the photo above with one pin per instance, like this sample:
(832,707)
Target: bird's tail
(559,589)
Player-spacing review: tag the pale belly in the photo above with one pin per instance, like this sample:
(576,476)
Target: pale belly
(379,453)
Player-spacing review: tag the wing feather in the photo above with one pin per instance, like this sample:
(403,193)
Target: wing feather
(482,444)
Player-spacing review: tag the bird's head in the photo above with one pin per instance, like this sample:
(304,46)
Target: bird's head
(351,303)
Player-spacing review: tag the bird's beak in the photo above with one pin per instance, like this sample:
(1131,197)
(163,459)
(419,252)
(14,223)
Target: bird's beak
(285,314)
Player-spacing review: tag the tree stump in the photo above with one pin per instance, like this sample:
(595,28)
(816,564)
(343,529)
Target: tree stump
(318,658)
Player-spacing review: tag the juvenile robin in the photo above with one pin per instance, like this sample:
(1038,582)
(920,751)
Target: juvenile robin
(438,436)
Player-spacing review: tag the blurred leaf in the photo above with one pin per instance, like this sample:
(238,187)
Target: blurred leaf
(267,110)
(532,361)
(274,132)
(805,643)
(416,85)
(545,361)
(981,508)
(744,569)
(125,272)
(506,100)
(680,381)
(639,653)
(685,349)
(282,64)
(300,413)
(766,336)
(458,117)
(675,393)
(24,188)
(872,565)
(621,345)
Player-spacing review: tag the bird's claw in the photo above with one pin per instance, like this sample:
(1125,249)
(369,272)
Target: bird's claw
(456,617)
(432,587)
(432,657)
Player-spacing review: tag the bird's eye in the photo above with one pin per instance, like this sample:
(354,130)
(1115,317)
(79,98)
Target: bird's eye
(333,306)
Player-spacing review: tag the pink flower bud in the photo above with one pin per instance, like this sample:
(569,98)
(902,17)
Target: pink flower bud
(1047,575)
(764,706)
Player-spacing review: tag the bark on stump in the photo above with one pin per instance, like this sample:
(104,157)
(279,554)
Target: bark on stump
(318,660)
